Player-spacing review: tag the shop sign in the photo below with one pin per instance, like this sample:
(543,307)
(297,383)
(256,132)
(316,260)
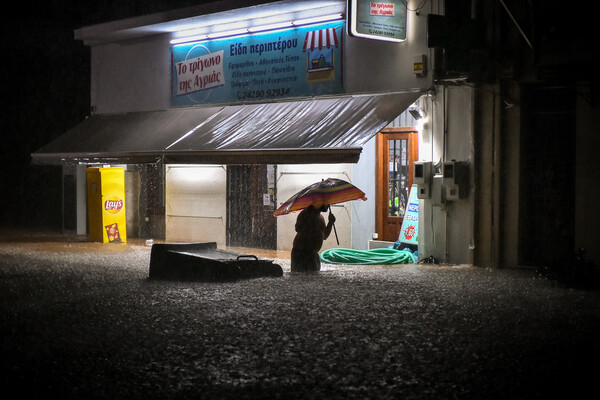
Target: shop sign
(299,62)
(379,20)
(409,233)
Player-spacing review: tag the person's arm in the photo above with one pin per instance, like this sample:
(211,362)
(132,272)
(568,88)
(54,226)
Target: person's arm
(327,231)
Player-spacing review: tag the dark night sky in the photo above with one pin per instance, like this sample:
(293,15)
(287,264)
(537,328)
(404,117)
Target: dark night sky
(47,70)
(46,91)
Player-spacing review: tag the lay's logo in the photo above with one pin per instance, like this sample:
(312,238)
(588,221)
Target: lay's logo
(113,205)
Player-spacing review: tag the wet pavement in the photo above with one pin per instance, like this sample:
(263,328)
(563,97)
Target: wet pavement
(82,320)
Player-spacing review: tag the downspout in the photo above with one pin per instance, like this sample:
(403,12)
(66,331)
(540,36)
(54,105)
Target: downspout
(445,139)
(493,202)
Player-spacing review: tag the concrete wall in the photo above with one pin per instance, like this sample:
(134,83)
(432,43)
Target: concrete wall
(130,76)
(459,146)
(497,154)
(132,203)
(587,178)
(510,161)
(363,212)
(446,227)
(379,66)
(487,178)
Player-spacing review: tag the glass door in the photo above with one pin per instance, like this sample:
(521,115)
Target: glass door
(398,178)
(397,151)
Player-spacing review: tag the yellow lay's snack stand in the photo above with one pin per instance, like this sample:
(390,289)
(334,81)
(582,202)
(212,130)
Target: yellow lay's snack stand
(106,205)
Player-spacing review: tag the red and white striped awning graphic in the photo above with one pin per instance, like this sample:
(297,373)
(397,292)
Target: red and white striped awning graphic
(320,38)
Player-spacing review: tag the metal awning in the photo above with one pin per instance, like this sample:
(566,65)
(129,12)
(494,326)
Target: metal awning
(318,130)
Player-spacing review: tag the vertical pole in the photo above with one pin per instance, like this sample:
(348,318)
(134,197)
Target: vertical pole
(334,230)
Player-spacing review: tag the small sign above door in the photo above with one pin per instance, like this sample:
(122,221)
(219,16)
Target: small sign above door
(378,20)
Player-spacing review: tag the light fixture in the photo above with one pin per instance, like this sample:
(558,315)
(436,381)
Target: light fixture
(195,38)
(270,27)
(259,28)
(416,113)
(314,20)
(233,32)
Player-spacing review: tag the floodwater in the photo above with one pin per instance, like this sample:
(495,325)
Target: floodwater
(82,320)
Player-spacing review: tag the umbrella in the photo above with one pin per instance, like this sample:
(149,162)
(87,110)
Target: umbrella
(326,192)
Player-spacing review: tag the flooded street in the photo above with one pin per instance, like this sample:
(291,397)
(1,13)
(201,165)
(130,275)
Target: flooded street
(82,320)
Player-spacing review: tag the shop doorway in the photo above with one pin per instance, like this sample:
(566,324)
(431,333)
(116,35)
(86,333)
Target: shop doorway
(251,200)
(397,150)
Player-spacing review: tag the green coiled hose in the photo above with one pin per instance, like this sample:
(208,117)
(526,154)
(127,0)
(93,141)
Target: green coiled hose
(367,257)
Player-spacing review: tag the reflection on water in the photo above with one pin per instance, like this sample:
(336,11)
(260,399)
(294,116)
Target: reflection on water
(365,331)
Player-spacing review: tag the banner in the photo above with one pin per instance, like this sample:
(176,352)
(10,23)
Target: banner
(298,62)
(200,73)
(409,233)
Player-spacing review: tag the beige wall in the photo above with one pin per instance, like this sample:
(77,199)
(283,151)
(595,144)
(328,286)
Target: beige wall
(196,203)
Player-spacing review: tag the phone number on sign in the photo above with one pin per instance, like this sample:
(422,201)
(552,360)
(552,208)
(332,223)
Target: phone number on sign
(259,94)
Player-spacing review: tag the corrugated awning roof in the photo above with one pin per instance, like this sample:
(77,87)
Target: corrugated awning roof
(320,130)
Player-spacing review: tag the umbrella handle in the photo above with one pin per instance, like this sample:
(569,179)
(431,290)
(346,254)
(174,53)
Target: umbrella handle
(334,230)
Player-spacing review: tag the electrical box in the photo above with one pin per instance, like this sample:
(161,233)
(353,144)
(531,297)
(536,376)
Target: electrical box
(422,172)
(422,176)
(456,179)
(423,191)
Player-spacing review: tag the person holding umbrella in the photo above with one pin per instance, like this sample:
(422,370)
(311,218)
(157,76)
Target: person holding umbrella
(311,231)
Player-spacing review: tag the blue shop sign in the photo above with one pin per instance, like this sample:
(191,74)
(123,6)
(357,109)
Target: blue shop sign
(298,62)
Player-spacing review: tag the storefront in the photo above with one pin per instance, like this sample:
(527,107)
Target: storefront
(219,115)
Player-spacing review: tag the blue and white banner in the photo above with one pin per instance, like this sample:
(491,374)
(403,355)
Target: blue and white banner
(297,62)
(409,233)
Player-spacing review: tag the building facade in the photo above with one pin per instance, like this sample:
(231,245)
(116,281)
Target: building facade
(504,135)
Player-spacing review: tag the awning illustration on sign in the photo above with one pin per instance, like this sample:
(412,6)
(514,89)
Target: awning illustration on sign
(298,62)
(317,39)
(319,45)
